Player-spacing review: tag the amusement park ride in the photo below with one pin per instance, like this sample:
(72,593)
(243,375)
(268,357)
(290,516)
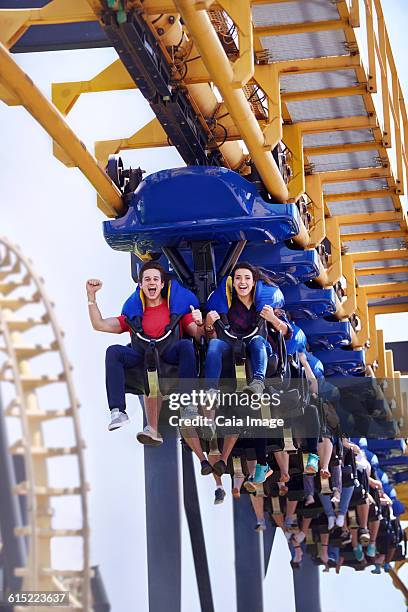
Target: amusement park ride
(291,120)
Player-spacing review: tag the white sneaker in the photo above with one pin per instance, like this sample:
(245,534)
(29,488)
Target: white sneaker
(118,419)
(331,521)
(340,520)
(149,436)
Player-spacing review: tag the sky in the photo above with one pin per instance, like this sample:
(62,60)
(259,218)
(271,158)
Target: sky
(50,211)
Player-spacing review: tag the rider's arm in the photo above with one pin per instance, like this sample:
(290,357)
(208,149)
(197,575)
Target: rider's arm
(269,315)
(111,324)
(309,373)
(209,328)
(193,323)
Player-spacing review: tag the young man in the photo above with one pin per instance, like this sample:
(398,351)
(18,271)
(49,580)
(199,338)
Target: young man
(156,316)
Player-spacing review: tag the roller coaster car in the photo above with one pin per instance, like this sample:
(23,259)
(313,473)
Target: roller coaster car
(286,266)
(305,303)
(322,334)
(171,208)
(341,362)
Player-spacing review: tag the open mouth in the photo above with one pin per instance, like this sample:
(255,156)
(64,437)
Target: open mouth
(151,291)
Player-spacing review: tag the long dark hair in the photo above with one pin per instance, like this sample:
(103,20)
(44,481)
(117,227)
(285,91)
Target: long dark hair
(257,273)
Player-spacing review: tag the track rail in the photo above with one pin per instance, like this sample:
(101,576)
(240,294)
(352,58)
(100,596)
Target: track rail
(22,294)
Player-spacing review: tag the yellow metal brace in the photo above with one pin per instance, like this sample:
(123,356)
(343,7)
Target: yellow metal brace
(14,23)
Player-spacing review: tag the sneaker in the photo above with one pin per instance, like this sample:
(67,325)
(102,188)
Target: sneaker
(387,567)
(377,569)
(118,419)
(371,550)
(331,521)
(260,473)
(358,553)
(345,537)
(340,520)
(219,496)
(364,537)
(206,468)
(149,436)
(249,485)
(220,467)
(260,525)
(255,387)
(211,401)
(312,465)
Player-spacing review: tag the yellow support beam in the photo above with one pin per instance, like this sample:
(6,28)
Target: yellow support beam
(333,235)
(315,193)
(150,135)
(387,290)
(114,77)
(221,71)
(381,255)
(16,81)
(15,22)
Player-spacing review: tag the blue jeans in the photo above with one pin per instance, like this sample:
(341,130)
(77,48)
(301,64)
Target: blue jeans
(345,497)
(258,349)
(119,358)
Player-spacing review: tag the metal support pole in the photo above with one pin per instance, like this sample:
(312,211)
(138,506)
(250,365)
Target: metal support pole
(99,595)
(249,565)
(195,526)
(14,549)
(307,586)
(163,524)
(268,540)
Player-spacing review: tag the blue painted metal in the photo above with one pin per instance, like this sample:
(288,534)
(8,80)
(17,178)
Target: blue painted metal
(401,477)
(198,203)
(305,303)
(284,265)
(341,362)
(384,446)
(249,567)
(163,524)
(306,582)
(326,334)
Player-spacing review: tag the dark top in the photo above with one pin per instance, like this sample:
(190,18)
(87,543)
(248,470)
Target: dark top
(241,318)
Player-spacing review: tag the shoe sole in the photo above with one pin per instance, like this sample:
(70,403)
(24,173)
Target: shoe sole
(250,487)
(112,428)
(217,502)
(364,540)
(147,440)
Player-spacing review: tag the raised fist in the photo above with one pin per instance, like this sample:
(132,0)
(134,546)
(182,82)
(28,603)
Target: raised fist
(92,286)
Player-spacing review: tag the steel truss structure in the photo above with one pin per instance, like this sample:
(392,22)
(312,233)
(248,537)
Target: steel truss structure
(310,87)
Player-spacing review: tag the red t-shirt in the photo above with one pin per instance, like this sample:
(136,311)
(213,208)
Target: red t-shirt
(155,319)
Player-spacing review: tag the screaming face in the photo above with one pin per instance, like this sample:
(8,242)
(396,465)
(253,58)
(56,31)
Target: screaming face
(152,284)
(243,282)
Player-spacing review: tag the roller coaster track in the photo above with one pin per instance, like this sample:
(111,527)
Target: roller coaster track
(26,312)
(314,81)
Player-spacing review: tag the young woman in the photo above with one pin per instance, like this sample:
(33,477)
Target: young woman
(243,316)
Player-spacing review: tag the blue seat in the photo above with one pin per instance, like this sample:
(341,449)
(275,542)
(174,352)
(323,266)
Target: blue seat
(385,446)
(305,303)
(326,334)
(173,207)
(340,362)
(391,461)
(401,477)
(284,265)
